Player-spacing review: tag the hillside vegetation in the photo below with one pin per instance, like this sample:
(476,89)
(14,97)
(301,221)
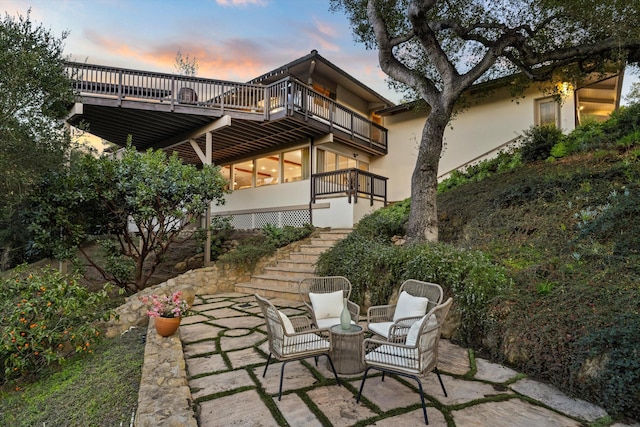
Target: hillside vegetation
(540,249)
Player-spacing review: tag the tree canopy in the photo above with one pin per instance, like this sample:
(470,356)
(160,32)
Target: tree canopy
(34,96)
(136,205)
(435,50)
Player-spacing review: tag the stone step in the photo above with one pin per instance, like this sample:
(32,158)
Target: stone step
(298,271)
(322,243)
(281,280)
(266,279)
(305,257)
(313,249)
(293,264)
(270,290)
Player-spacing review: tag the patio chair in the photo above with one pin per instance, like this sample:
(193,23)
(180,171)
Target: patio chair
(293,339)
(413,358)
(415,298)
(324,299)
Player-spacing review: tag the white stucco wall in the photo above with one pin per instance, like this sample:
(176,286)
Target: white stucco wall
(472,134)
(268,196)
(341,213)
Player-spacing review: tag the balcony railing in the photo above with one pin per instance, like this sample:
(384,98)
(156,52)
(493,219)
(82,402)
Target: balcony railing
(354,183)
(287,95)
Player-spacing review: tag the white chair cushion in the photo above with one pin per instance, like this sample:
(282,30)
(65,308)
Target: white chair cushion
(381,328)
(329,322)
(394,356)
(327,305)
(288,326)
(412,335)
(303,343)
(410,306)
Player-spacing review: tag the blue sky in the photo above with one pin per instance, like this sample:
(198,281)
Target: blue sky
(233,39)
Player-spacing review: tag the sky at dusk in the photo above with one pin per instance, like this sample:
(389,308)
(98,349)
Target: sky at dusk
(234,40)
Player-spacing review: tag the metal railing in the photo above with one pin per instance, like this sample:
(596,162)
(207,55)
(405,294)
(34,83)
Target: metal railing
(288,95)
(354,183)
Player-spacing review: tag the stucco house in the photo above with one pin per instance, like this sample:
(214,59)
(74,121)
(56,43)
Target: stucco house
(307,142)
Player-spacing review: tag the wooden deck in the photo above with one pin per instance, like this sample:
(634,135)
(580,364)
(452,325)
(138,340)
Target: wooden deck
(199,97)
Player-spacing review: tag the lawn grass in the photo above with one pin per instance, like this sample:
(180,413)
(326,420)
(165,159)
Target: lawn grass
(99,389)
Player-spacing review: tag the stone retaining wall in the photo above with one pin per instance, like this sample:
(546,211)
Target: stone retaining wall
(164,398)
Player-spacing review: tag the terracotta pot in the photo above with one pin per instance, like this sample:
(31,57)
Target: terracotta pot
(166,326)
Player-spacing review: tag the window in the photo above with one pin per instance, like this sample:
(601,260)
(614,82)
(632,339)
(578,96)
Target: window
(295,165)
(267,170)
(547,112)
(225,171)
(243,175)
(328,161)
(289,166)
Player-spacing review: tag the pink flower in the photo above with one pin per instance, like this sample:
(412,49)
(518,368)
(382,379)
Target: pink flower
(166,306)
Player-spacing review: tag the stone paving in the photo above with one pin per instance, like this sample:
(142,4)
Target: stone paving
(225,350)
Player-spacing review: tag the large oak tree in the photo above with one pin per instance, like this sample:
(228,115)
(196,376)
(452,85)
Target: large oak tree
(437,49)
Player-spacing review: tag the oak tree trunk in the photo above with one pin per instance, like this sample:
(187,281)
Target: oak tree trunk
(423,216)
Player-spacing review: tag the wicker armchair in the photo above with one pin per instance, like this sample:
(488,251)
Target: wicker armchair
(414,358)
(381,318)
(327,285)
(293,339)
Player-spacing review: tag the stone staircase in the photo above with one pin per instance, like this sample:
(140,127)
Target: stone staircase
(281,280)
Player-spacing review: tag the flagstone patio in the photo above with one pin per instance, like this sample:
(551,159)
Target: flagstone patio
(225,351)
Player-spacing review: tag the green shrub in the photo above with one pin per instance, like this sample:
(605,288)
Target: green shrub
(385,223)
(623,121)
(606,368)
(469,276)
(221,231)
(629,140)
(249,252)
(538,142)
(373,267)
(589,134)
(281,237)
(503,162)
(46,316)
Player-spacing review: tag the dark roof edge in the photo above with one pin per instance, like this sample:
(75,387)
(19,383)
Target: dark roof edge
(315,55)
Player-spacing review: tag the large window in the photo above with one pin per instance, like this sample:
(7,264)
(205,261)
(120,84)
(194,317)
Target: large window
(547,112)
(289,166)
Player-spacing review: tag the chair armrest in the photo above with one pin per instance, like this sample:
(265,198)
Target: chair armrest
(380,313)
(354,310)
(399,330)
(301,323)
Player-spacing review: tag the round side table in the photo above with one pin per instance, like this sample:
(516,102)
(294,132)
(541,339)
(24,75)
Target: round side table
(347,349)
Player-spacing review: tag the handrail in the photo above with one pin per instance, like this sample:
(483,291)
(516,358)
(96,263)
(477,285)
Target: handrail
(509,144)
(289,95)
(350,182)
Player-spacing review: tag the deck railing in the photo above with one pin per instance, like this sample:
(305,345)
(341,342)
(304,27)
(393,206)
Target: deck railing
(288,95)
(354,183)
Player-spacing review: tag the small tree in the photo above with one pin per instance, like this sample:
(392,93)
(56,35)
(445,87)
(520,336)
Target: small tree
(141,202)
(186,65)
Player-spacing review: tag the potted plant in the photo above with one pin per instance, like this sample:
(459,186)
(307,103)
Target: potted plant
(167,311)
(186,66)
